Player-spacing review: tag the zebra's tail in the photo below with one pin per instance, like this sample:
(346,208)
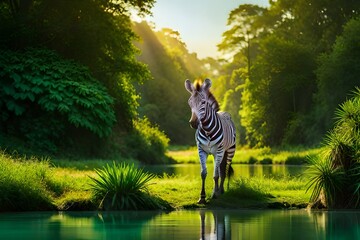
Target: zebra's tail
(229,173)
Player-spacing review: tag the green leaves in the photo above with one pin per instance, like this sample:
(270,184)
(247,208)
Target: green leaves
(122,187)
(40,78)
(325,178)
(335,173)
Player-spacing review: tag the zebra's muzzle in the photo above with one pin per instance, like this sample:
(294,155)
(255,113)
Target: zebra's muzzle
(194,124)
(194,121)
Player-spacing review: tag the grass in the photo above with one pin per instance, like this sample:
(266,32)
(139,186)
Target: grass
(123,187)
(47,185)
(251,156)
(243,192)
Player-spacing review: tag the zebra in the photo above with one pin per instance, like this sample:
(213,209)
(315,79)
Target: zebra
(215,134)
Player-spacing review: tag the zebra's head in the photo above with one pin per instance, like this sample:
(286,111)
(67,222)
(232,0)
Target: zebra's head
(198,100)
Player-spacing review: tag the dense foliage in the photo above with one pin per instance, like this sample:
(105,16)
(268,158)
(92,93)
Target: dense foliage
(42,94)
(334,174)
(293,63)
(67,72)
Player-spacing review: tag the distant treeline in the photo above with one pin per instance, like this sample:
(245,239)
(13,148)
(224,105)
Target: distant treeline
(288,67)
(80,78)
(293,63)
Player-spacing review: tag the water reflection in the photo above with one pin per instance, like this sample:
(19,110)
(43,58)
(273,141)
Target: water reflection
(241,170)
(196,224)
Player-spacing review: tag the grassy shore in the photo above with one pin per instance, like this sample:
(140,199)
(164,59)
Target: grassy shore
(43,184)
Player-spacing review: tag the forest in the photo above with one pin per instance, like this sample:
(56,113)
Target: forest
(81,79)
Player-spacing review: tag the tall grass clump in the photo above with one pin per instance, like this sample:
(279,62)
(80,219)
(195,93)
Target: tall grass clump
(23,184)
(249,189)
(335,172)
(123,187)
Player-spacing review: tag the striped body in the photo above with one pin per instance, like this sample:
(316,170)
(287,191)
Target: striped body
(215,133)
(216,136)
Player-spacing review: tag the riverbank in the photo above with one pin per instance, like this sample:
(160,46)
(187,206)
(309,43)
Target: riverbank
(35,185)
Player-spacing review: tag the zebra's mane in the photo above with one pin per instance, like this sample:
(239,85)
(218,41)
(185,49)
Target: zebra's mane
(211,99)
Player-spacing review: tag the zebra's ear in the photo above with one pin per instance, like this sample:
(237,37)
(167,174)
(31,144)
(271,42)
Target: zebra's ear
(207,84)
(189,86)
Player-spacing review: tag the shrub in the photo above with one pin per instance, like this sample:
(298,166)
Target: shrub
(252,160)
(123,187)
(266,161)
(295,160)
(42,95)
(334,174)
(324,180)
(147,143)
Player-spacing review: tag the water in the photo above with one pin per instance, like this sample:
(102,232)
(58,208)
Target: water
(195,224)
(241,170)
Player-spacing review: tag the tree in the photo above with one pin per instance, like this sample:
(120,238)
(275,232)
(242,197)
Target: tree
(163,98)
(283,77)
(244,29)
(97,34)
(338,73)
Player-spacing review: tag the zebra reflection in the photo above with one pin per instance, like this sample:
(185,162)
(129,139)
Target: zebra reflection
(219,227)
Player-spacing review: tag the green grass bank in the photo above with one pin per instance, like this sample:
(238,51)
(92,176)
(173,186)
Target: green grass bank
(45,184)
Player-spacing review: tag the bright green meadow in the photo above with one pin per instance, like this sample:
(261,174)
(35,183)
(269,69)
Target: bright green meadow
(46,184)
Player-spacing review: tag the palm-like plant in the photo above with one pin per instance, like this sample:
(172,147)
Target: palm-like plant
(324,179)
(335,174)
(123,187)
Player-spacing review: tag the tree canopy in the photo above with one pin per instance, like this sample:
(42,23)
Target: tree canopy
(68,71)
(296,63)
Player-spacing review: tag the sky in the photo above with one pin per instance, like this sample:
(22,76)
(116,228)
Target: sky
(199,22)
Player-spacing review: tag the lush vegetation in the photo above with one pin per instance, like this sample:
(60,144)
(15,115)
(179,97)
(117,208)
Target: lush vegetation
(334,173)
(44,96)
(68,87)
(293,63)
(28,185)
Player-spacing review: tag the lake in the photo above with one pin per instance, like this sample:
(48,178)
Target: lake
(240,170)
(194,224)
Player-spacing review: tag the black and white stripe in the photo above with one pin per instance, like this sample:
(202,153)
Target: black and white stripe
(215,132)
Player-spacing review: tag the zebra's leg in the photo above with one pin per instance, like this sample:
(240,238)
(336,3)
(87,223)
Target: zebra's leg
(202,156)
(218,158)
(223,172)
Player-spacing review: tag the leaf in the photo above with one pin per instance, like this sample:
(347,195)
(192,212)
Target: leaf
(9,90)
(15,76)
(13,106)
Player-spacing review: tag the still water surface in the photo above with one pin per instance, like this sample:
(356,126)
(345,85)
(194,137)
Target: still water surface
(195,224)
(240,170)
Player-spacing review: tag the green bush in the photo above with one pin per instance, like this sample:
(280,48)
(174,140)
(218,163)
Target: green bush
(42,95)
(147,143)
(266,161)
(123,187)
(334,173)
(253,160)
(296,160)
